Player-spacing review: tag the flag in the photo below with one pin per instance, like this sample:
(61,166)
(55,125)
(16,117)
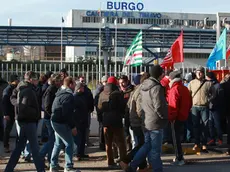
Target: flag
(133,55)
(218,52)
(175,54)
(62,20)
(228,53)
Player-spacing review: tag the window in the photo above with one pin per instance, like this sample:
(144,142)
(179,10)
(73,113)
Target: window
(86,19)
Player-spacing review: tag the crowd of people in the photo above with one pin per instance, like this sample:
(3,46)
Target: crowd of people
(135,119)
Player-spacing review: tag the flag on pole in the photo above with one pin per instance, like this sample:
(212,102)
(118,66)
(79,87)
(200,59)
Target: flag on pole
(133,55)
(219,51)
(228,53)
(175,54)
(62,20)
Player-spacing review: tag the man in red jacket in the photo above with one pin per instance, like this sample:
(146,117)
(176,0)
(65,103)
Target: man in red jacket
(179,104)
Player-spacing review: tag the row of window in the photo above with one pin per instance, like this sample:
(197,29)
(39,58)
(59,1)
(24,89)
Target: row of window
(157,21)
(147,54)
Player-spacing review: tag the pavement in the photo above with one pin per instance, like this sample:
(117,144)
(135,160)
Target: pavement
(214,161)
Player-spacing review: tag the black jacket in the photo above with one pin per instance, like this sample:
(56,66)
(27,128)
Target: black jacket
(7,107)
(63,108)
(47,99)
(25,101)
(81,110)
(89,98)
(113,110)
(226,94)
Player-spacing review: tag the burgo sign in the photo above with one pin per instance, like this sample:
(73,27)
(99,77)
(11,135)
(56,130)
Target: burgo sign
(132,6)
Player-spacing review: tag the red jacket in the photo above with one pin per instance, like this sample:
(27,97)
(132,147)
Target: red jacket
(180,101)
(165,83)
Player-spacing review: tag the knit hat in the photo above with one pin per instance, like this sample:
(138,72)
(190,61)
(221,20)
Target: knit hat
(175,74)
(104,78)
(188,77)
(78,85)
(201,69)
(112,80)
(156,71)
(13,78)
(211,75)
(137,79)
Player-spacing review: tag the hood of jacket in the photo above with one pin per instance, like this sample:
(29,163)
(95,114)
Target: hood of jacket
(64,91)
(175,80)
(24,84)
(149,83)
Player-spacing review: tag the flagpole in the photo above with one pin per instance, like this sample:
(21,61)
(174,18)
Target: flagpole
(61,42)
(99,51)
(115,46)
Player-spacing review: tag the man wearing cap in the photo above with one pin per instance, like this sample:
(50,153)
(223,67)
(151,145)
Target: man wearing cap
(99,90)
(200,90)
(179,105)
(8,110)
(27,114)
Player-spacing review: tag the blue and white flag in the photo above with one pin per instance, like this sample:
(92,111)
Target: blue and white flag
(219,51)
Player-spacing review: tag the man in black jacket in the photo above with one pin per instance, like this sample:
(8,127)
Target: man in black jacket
(90,104)
(27,114)
(8,110)
(62,121)
(81,120)
(48,98)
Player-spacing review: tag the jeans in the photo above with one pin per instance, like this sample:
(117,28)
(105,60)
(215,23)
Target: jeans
(45,132)
(200,116)
(177,132)
(215,123)
(151,148)
(63,134)
(27,131)
(8,127)
(188,128)
(80,140)
(139,137)
(48,146)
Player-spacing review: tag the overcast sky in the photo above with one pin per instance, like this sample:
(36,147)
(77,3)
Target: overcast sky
(49,12)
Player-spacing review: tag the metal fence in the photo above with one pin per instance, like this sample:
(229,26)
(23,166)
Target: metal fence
(89,71)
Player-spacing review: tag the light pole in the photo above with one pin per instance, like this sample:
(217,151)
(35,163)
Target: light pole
(61,40)
(115,46)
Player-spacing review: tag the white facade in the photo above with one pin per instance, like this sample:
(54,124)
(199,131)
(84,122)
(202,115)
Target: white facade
(137,20)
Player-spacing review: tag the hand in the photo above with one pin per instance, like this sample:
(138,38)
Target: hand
(74,131)
(7,118)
